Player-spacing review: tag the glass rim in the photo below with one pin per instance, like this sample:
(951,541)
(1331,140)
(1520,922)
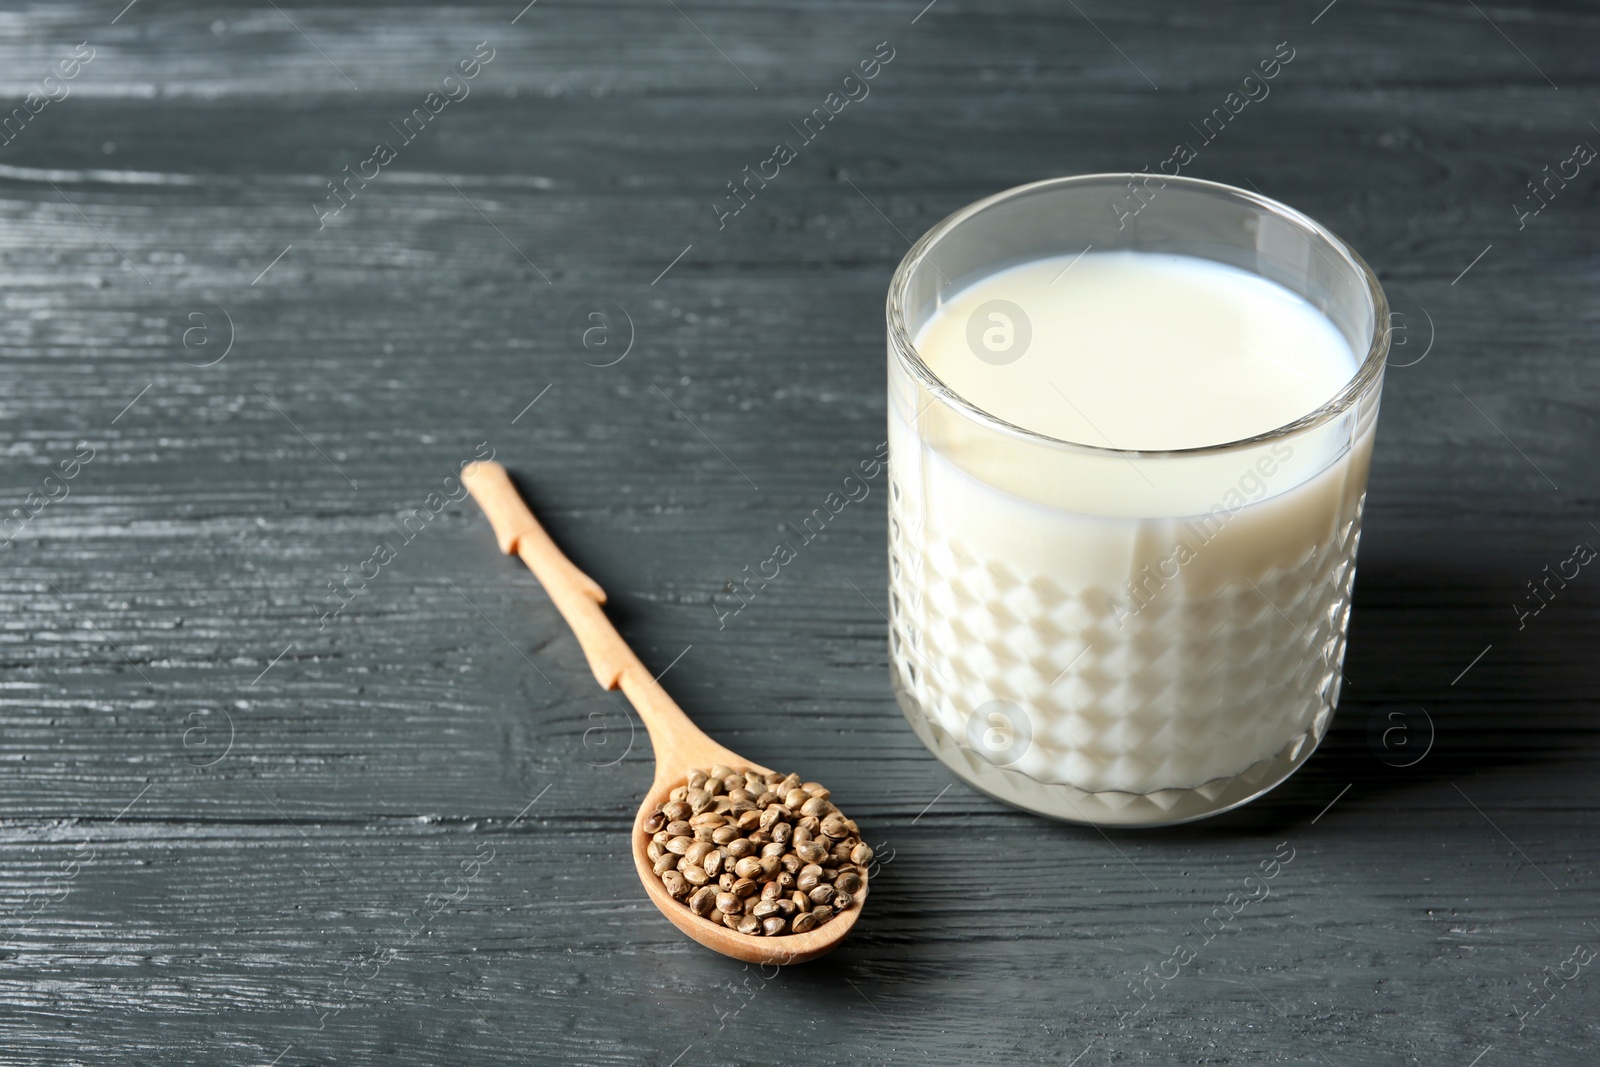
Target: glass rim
(1366,373)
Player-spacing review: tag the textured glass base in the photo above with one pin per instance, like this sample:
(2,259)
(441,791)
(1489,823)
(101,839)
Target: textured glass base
(1166,807)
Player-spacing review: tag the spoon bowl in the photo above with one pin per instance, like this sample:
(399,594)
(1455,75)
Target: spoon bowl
(783,949)
(679,745)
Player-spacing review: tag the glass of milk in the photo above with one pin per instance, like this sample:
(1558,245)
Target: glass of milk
(1130,421)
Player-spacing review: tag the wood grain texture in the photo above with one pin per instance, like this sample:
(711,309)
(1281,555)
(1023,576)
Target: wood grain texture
(229,833)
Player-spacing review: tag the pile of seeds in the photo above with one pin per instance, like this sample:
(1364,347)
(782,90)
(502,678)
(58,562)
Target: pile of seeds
(761,854)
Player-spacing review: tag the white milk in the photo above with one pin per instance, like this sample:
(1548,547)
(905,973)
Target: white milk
(1161,622)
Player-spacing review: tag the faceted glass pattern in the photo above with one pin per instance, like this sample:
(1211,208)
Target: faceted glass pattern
(1149,708)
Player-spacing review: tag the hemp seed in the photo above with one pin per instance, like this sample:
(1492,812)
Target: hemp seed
(766,855)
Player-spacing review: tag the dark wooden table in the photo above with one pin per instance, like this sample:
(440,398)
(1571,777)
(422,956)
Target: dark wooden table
(238,827)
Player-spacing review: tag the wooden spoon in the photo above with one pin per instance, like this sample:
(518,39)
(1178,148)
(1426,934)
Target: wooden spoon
(678,743)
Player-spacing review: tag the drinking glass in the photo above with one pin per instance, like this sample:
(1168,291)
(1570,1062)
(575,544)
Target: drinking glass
(1112,693)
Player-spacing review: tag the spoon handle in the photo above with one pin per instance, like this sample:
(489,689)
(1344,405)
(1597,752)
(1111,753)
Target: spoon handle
(578,597)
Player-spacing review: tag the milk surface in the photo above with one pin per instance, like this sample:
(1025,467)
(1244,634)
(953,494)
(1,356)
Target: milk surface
(1158,622)
(1140,350)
